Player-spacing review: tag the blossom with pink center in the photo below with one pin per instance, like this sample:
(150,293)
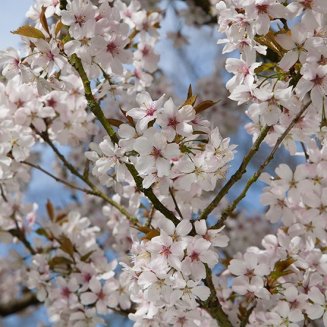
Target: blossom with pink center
(147,111)
(101,295)
(175,121)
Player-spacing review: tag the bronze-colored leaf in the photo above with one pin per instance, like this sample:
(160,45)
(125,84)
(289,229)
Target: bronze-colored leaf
(58,27)
(29,31)
(50,210)
(59,261)
(114,122)
(190,101)
(189,92)
(153,233)
(66,245)
(204,105)
(43,20)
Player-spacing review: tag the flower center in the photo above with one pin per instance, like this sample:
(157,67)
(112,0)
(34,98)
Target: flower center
(156,153)
(165,251)
(262,9)
(172,122)
(80,20)
(194,256)
(151,110)
(65,292)
(112,47)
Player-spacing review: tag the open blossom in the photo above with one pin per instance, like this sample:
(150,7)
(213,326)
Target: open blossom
(148,110)
(198,253)
(155,152)
(80,17)
(101,295)
(249,272)
(176,121)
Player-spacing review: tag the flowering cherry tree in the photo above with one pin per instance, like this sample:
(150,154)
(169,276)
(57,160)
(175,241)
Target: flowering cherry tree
(153,231)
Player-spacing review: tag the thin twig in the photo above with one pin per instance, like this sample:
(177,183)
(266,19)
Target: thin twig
(56,178)
(93,189)
(305,152)
(237,175)
(175,202)
(229,210)
(97,111)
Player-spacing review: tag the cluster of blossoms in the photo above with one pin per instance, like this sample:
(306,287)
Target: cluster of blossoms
(166,279)
(89,80)
(166,148)
(72,275)
(295,72)
(287,278)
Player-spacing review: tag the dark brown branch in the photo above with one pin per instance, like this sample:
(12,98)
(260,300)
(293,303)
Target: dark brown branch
(15,306)
(212,304)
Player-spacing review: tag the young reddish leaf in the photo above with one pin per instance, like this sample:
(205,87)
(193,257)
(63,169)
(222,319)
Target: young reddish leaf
(59,261)
(189,101)
(29,31)
(204,105)
(66,245)
(114,122)
(153,233)
(189,92)
(43,20)
(50,210)
(58,27)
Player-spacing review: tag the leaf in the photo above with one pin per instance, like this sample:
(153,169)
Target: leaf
(60,217)
(58,27)
(43,20)
(144,229)
(50,210)
(189,101)
(42,232)
(66,245)
(204,105)
(86,256)
(153,233)
(114,122)
(281,269)
(264,67)
(29,31)
(189,92)
(59,261)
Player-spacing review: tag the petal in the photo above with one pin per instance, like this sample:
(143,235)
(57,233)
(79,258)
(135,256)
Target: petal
(88,298)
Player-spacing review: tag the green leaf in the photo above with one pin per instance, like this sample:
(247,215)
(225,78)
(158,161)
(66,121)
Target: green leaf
(29,31)
(264,67)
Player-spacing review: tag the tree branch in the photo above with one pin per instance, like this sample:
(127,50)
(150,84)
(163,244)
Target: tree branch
(15,306)
(97,111)
(229,210)
(212,304)
(237,175)
(93,189)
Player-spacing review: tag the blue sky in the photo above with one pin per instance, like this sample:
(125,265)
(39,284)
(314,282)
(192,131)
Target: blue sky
(12,16)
